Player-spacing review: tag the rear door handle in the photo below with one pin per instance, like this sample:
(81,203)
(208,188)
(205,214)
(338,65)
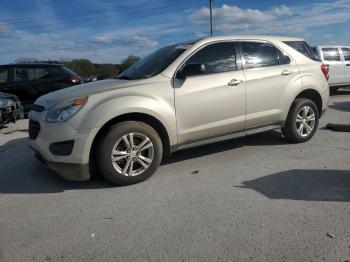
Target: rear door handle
(235,82)
(347,64)
(285,72)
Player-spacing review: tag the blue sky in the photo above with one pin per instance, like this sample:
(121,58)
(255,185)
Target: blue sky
(108,31)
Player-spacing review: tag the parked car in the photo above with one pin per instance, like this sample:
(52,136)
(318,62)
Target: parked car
(183,95)
(95,78)
(338,60)
(30,81)
(10,109)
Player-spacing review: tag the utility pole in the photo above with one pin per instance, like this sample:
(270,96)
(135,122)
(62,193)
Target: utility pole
(211,17)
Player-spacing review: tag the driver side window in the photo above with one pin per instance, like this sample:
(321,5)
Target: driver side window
(215,58)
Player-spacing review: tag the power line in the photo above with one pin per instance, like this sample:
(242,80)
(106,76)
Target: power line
(88,11)
(283,24)
(89,22)
(116,43)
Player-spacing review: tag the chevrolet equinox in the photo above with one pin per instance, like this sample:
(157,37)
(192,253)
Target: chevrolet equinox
(181,96)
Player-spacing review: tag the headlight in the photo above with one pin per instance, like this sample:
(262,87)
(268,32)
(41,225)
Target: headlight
(66,110)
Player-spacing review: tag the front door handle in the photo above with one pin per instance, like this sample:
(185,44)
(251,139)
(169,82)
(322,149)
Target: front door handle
(285,72)
(235,82)
(347,64)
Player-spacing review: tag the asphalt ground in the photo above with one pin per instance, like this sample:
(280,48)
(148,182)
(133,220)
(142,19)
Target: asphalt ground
(251,199)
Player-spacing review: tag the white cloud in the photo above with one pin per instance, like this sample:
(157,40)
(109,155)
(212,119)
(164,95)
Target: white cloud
(143,41)
(301,18)
(102,39)
(4,27)
(283,10)
(230,15)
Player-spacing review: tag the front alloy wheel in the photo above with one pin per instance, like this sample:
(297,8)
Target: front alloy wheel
(132,154)
(129,152)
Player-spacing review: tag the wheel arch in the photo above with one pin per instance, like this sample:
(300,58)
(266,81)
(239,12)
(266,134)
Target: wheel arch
(312,95)
(308,93)
(155,123)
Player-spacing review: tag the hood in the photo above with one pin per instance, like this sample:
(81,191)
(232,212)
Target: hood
(51,99)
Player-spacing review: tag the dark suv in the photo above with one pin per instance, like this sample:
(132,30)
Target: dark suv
(30,81)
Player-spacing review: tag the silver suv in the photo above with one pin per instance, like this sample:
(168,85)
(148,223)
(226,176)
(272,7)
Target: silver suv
(181,96)
(337,58)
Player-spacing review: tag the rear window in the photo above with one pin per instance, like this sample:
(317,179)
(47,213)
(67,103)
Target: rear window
(304,48)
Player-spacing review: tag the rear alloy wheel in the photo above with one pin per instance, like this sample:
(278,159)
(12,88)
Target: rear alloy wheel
(305,121)
(302,121)
(130,153)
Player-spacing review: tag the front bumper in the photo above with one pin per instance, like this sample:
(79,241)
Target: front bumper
(11,114)
(72,166)
(69,171)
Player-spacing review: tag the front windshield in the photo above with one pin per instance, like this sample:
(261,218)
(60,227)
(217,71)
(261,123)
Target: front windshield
(155,63)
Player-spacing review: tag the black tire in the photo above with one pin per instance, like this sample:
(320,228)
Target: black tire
(290,129)
(107,143)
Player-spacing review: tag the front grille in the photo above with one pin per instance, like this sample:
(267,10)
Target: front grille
(37,108)
(33,129)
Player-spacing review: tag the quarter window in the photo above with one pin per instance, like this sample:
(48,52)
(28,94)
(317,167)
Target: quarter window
(331,54)
(24,74)
(4,75)
(304,48)
(216,58)
(346,52)
(284,59)
(258,55)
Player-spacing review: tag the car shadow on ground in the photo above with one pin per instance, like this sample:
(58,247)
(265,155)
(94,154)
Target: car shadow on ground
(306,185)
(21,173)
(341,106)
(262,139)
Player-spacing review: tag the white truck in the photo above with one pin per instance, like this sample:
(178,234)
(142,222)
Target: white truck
(337,58)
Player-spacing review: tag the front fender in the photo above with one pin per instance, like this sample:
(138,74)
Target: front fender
(98,113)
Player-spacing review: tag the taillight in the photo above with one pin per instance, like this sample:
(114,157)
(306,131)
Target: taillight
(72,80)
(325,71)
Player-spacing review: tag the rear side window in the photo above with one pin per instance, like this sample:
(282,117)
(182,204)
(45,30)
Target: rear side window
(331,54)
(4,75)
(217,58)
(48,72)
(258,55)
(304,48)
(346,52)
(23,74)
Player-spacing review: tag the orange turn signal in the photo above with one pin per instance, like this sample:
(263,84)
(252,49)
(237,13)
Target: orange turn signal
(80,101)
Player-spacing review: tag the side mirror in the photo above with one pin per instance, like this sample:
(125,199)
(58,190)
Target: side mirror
(190,70)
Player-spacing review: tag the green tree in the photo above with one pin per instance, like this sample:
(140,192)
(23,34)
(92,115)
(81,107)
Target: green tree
(127,62)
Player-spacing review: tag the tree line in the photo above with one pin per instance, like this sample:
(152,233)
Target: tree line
(86,69)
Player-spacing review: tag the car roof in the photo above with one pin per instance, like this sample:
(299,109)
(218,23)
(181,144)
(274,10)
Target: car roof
(33,64)
(332,46)
(253,37)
